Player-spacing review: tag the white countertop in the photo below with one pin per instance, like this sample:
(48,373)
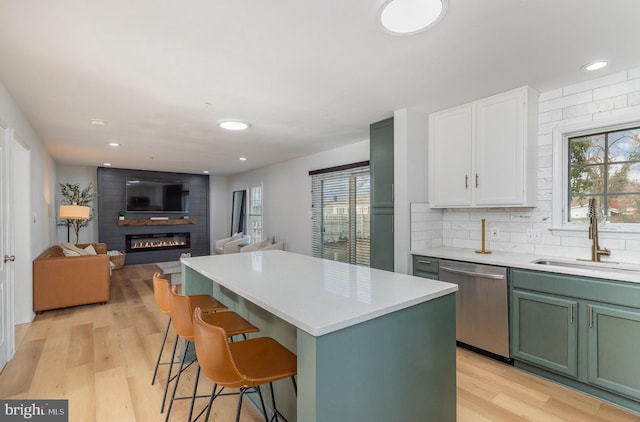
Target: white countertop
(316,295)
(610,271)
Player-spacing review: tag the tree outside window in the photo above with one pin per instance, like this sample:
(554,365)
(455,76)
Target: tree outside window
(605,166)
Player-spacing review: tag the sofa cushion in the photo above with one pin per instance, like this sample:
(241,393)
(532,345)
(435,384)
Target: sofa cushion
(69,252)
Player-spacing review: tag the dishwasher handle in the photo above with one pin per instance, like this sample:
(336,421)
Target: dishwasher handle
(472,273)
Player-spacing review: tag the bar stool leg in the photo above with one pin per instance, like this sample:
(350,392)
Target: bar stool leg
(213,396)
(166,386)
(164,339)
(240,396)
(177,381)
(193,397)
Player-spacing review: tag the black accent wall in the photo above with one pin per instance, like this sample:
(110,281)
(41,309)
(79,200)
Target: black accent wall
(112,197)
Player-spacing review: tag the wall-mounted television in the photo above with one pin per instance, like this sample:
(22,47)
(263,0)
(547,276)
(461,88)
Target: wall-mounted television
(145,195)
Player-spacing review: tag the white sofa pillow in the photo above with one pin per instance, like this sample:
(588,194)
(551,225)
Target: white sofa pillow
(69,252)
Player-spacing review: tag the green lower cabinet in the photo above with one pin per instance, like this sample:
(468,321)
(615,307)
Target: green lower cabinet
(613,342)
(562,329)
(425,267)
(545,331)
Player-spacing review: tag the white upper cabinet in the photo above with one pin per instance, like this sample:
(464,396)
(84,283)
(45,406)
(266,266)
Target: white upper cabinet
(483,154)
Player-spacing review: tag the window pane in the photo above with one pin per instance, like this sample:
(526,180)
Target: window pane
(255,213)
(363,245)
(587,180)
(624,178)
(624,208)
(624,145)
(335,221)
(586,150)
(612,178)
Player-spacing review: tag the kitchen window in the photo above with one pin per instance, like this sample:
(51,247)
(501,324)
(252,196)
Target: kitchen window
(340,213)
(600,161)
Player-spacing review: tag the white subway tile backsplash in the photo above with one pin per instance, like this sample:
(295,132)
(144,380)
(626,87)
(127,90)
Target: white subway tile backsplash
(550,116)
(611,103)
(567,101)
(579,110)
(633,98)
(595,83)
(632,112)
(634,73)
(550,95)
(617,89)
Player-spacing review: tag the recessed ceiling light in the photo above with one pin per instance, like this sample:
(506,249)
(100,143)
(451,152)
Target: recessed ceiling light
(594,66)
(405,17)
(107,164)
(205,171)
(98,122)
(243,158)
(233,125)
(113,144)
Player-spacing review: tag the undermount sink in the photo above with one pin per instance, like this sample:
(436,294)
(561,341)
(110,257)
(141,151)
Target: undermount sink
(588,265)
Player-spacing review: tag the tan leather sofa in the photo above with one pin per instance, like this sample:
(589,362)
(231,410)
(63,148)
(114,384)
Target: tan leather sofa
(61,281)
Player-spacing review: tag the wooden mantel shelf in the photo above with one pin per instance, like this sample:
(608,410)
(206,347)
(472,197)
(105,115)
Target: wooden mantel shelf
(149,222)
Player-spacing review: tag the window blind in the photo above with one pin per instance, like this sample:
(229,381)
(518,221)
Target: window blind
(340,213)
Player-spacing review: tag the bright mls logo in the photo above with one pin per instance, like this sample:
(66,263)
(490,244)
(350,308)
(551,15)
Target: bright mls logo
(34,410)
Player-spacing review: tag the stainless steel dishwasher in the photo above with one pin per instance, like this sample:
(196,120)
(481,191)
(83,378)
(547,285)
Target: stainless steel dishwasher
(482,310)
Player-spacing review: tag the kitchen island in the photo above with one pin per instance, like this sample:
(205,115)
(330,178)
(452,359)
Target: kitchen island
(372,345)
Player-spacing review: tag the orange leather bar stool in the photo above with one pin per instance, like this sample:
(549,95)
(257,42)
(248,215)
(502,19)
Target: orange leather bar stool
(244,364)
(161,290)
(182,311)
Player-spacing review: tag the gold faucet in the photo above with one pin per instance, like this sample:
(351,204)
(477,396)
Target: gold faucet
(596,252)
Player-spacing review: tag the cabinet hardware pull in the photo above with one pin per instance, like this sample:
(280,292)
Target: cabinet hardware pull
(590,316)
(466,181)
(421,261)
(571,313)
(477,184)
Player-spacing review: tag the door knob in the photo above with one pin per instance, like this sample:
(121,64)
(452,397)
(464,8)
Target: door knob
(9,258)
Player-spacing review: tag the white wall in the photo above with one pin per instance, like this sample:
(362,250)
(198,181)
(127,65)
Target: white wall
(287,193)
(601,98)
(42,193)
(410,131)
(81,176)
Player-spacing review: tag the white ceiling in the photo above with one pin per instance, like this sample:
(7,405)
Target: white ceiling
(309,75)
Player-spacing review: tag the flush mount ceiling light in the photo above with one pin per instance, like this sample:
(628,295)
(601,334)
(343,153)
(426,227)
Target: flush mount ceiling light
(205,171)
(98,122)
(406,17)
(233,125)
(242,158)
(589,67)
(113,144)
(106,164)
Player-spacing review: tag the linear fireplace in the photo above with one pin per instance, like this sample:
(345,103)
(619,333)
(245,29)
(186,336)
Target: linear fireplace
(157,241)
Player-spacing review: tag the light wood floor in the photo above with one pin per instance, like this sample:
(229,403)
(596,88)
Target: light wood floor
(101,359)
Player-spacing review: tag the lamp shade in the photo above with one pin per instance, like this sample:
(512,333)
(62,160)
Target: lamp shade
(74,212)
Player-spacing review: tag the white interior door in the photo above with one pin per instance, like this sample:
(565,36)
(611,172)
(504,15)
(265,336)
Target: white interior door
(6,257)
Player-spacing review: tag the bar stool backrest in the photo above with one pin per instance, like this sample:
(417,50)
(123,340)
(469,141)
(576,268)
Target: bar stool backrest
(214,356)
(161,290)
(181,316)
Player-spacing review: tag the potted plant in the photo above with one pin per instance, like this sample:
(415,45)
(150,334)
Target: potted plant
(121,214)
(72,194)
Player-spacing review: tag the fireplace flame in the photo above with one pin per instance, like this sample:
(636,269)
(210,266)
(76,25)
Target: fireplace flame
(158,244)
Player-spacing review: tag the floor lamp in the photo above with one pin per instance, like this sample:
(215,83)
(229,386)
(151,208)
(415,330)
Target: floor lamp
(74,212)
